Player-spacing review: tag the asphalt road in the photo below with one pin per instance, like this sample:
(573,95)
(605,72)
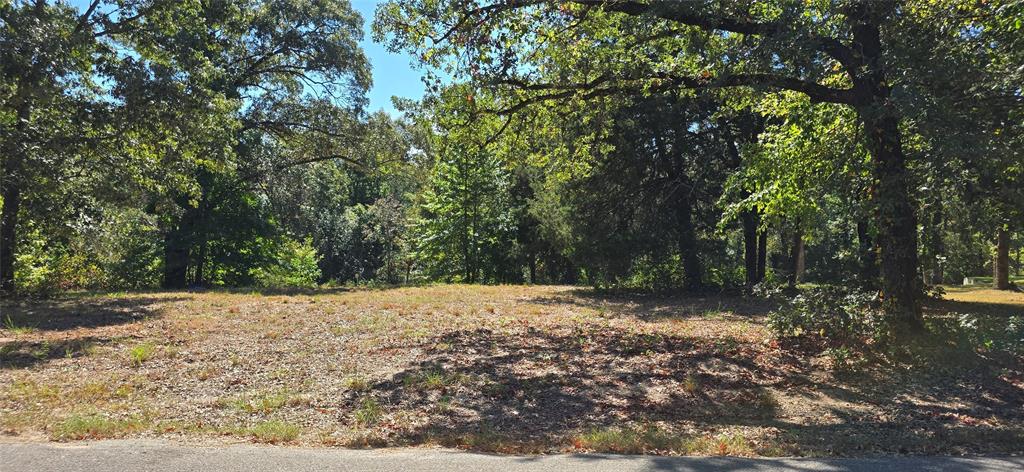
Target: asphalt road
(158,456)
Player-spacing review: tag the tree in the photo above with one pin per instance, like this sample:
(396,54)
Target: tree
(292,73)
(43,121)
(651,191)
(847,53)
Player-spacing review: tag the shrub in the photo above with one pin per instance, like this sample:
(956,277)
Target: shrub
(43,267)
(130,245)
(984,333)
(296,266)
(835,315)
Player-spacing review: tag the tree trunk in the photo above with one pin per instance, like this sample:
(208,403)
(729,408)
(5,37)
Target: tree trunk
(8,233)
(796,257)
(688,250)
(533,269)
(201,265)
(11,188)
(750,248)
(175,261)
(762,255)
(936,248)
(897,223)
(868,256)
(1001,264)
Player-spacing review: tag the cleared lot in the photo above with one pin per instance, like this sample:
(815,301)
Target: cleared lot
(507,369)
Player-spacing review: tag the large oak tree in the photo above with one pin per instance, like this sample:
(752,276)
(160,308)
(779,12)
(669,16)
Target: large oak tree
(849,53)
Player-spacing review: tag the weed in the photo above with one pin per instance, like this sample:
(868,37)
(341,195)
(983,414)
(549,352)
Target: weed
(840,358)
(28,390)
(723,445)
(691,384)
(432,380)
(93,391)
(124,390)
(356,384)
(264,403)
(41,351)
(141,353)
(369,412)
(15,329)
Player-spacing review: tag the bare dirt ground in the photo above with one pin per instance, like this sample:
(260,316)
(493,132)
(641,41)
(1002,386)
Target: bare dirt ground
(500,368)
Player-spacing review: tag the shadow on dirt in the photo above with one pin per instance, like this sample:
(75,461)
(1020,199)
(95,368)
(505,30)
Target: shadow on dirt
(534,391)
(68,314)
(653,307)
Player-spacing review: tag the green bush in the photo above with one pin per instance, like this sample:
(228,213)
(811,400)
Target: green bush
(982,333)
(44,267)
(296,266)
(129,243)
(830,315)
(651,275)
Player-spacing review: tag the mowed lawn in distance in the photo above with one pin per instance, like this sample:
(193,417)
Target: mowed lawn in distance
(492,368)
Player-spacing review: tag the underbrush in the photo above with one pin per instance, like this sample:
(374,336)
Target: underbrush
(828,317)
(848,325)
(981,333)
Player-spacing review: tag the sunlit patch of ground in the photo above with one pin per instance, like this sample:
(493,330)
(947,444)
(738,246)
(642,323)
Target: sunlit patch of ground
(495,368)
(986,295)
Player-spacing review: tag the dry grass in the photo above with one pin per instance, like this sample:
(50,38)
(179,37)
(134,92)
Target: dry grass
(986,295)
(503,368)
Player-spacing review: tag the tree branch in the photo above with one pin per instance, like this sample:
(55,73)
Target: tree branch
(605,85)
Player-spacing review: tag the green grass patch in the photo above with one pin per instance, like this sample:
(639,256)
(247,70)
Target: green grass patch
(630,441)
(94,427)
(369,412)
(273,432)
(141,353)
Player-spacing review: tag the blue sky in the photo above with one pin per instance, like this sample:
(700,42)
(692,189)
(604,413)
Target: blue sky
(393,74)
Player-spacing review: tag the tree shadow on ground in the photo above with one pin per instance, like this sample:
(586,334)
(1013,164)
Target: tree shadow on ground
(1002,310)
(68,314)
(538,384)
(21,354)
(287,291)
(652,307)
(532,388)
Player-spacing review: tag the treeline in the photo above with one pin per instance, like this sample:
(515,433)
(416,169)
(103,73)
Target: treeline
(643,145)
